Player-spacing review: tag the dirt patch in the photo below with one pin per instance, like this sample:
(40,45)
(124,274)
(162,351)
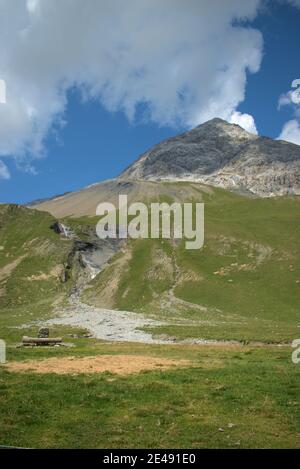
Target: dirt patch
(188,276)
(235,267)
(8,268)
(119,364)
(56,272)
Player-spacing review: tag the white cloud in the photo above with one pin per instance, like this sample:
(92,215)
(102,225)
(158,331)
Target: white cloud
(32,5)
(186,61)
(292,97)
(285,99)
(244,120)
(4,173)
(291,132)
(291,129)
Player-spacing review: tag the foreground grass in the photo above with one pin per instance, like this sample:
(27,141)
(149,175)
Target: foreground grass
(256,390)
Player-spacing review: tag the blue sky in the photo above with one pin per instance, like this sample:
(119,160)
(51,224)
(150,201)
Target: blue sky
(280,26)
(98,140)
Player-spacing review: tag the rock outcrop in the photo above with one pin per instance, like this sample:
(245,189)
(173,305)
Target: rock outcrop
(225,155)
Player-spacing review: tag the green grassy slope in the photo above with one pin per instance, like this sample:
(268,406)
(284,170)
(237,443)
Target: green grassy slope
(243,285)
(246,278)
(32,261)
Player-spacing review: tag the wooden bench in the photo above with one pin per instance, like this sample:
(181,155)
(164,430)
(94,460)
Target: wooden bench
(41,340)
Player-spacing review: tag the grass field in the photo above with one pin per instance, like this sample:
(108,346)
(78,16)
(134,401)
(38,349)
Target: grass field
(230,397)
(243,286)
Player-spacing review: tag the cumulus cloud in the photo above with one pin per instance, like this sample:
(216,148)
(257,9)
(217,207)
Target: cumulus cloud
(4,173)
(292,97)
(186,62)
(244,120)
(291,132)
(291,129)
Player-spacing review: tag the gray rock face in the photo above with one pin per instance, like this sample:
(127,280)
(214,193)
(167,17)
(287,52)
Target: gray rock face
(225,155)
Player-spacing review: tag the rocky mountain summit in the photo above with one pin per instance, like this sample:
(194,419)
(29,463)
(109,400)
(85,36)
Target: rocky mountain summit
(224,155)
(215,153)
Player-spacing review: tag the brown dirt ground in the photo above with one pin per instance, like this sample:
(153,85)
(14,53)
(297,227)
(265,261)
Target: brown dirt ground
(119,364)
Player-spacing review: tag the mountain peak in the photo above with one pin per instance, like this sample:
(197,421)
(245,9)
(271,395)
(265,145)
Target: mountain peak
(222,154)
(220,125)
(215,121)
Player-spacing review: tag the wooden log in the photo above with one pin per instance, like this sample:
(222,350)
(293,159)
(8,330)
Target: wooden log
(41,340)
